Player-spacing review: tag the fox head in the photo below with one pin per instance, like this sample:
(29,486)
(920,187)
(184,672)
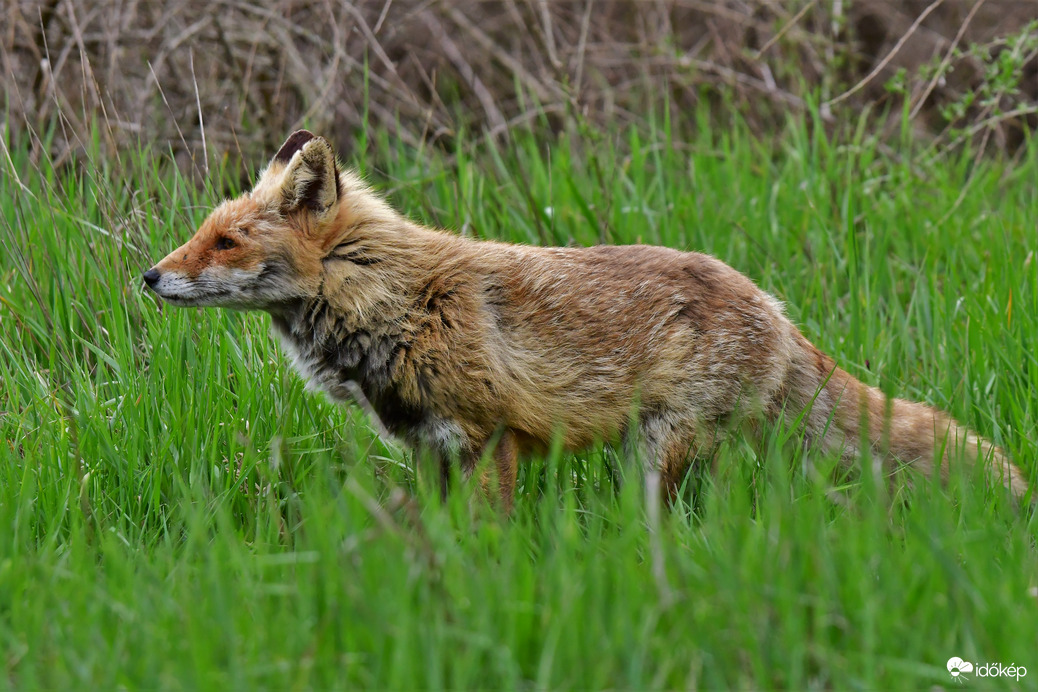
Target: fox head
(265,249)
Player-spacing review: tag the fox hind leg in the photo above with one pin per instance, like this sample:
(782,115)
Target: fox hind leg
(666,447)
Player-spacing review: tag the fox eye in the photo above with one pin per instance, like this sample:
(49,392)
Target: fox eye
(225,243)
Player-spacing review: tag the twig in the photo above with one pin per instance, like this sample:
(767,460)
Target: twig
(947,59)
(889,56)
(454,55)
(544,92)
(172,114)
(382,16)
(380,53)
(198,102)
(585,24)
(549,34)
(786,27)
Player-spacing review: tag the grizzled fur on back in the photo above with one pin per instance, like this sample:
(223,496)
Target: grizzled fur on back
(468,347)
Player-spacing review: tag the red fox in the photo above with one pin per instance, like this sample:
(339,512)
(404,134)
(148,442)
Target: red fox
(460,345)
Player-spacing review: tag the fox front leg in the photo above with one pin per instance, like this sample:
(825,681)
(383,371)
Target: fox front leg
(497,472)
(497,479)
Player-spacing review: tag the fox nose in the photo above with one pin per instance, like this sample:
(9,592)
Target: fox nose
(151,277)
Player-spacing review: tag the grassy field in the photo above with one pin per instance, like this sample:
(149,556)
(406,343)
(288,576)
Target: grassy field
(178,513)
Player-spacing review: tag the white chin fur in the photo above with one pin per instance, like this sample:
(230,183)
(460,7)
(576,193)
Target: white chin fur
(214,287)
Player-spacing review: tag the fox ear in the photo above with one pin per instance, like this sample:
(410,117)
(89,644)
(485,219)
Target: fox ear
(294,143)
(311,178)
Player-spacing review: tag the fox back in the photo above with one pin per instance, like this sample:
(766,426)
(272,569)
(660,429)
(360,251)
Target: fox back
(469,348)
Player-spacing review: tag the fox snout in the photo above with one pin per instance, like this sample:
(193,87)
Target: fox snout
(213,286)
(171,286)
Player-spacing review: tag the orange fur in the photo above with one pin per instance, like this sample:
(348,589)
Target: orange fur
(458,342)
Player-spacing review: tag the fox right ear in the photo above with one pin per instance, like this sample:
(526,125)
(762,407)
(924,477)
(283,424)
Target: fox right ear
(294,143)
(311,177)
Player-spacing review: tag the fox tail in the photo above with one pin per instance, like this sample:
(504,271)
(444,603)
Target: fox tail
(899,430)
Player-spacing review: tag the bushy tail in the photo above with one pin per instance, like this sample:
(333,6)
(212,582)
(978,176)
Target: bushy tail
(908,432)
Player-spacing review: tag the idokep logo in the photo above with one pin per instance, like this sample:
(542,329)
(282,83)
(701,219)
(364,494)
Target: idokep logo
(959,668)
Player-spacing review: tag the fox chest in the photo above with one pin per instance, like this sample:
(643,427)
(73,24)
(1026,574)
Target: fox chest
(372,364)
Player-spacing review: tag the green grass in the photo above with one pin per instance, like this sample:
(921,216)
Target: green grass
(178,513)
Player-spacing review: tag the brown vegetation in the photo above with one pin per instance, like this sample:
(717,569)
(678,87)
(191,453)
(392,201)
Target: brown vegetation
(228,75)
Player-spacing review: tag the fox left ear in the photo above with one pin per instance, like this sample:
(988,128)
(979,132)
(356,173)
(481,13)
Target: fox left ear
(311,178)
